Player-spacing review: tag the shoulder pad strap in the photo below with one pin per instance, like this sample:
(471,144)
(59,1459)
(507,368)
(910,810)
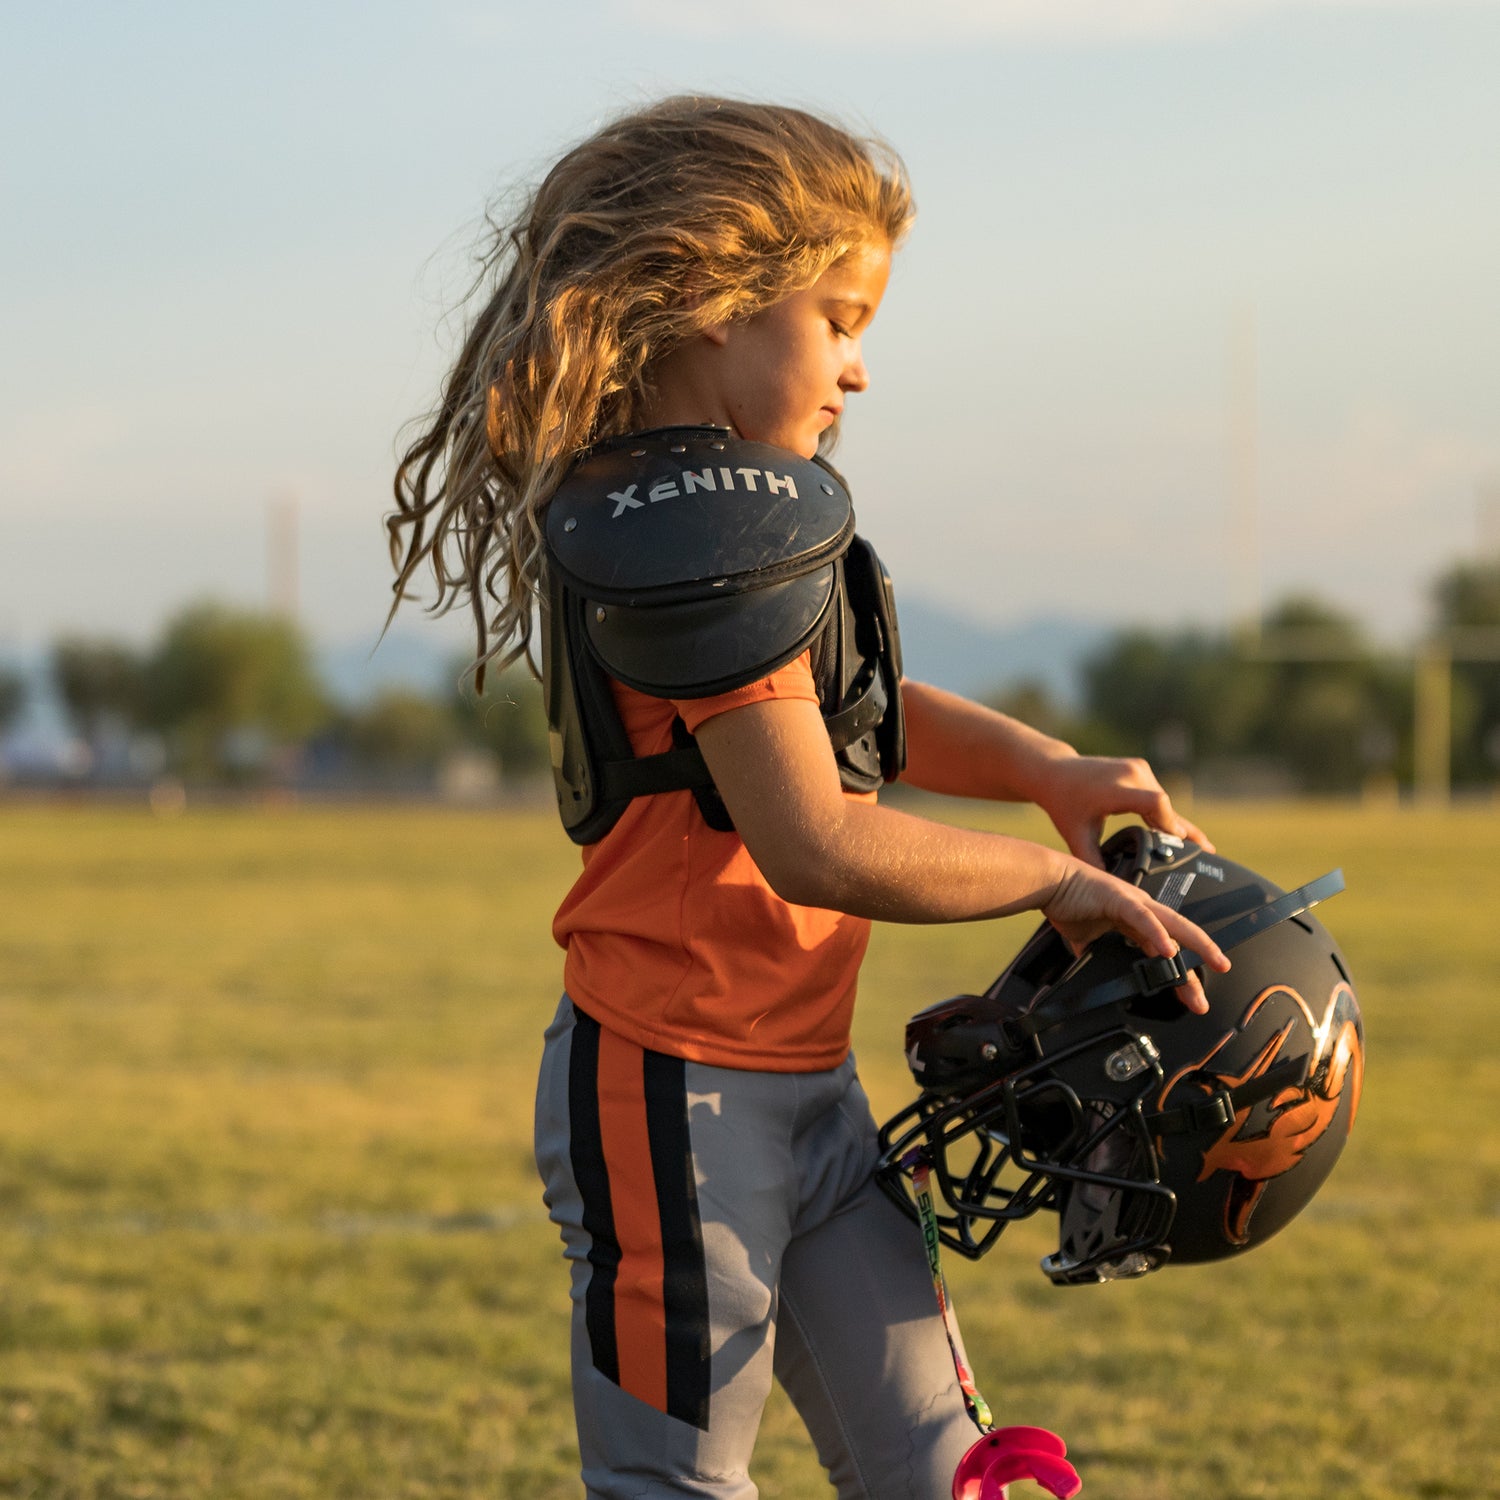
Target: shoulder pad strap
(704,561)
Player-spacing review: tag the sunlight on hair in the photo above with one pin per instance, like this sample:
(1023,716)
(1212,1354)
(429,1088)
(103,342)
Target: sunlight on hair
(688,213)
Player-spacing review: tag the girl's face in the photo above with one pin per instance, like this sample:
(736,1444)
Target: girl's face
(781,375)
(788,369)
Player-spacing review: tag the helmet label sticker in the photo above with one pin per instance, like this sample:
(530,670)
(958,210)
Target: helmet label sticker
(1174,889)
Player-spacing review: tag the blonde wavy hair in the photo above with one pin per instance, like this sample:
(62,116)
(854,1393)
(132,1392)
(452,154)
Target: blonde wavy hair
(689,213)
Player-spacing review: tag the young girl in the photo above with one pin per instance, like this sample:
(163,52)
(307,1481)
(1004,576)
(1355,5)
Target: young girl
(709,267)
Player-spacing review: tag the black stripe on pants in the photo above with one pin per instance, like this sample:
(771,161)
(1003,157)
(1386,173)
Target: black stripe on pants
(586,1151)
(684,1279)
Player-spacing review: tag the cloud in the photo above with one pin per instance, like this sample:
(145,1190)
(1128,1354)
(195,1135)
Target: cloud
(891,23)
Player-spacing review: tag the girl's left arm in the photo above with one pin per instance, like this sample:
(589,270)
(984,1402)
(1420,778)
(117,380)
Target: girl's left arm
(962,749)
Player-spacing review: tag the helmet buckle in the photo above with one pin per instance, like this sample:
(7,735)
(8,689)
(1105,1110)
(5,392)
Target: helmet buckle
(1213,1113)
(1153,974)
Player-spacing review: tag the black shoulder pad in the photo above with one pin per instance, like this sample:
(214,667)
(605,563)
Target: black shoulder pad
(703,561)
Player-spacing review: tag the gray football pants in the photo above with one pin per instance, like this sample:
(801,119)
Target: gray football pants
(720,1225)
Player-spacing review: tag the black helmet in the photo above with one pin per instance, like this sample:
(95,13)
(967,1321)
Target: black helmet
(1082,1085)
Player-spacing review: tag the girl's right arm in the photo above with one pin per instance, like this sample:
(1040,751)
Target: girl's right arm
(773,766)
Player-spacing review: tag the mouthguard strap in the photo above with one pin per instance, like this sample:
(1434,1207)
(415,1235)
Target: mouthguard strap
(921,1179)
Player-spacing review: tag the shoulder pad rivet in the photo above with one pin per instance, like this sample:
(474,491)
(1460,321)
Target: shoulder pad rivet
(599,614)
(717,447)
(679,448)
(827,489)
(637,452)
(571,524)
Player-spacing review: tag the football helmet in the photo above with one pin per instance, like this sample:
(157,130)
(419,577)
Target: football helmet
(1083,1086)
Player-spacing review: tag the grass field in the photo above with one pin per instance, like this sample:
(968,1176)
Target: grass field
(269,1225)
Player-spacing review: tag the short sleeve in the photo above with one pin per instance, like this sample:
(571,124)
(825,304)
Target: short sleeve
(793,681)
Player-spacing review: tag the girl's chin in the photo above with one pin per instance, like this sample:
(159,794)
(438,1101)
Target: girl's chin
(804,445)
(805,442)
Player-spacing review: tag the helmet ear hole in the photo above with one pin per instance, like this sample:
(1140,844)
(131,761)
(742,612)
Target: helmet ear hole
(1051,1123)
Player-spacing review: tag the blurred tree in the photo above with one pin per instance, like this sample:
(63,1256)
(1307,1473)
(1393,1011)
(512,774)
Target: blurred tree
(402,731)
(230,688)
(1468,594)
(1330,717)
(12,696)
(1187,694)
(1467,597)
(1335,714)
(1319,729)
(507,719)
(99,680)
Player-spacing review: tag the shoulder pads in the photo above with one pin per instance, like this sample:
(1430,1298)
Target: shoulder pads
(703,561)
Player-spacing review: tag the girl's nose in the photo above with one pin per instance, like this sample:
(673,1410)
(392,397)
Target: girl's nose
(855,377)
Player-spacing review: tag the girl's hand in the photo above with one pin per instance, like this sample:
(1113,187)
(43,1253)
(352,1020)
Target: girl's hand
(1088,903)
(1078,792)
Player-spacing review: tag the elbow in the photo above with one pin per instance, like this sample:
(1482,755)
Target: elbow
(804,885)
(805,871)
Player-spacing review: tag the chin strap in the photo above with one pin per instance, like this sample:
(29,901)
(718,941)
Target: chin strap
(1002,1453)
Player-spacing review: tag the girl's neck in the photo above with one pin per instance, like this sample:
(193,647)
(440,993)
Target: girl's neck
(681,392)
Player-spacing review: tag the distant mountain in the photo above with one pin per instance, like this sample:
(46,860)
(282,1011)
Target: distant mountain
(966,656)
(940,646)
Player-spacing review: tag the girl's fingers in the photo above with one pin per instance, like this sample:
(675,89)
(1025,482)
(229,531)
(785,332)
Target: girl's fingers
(1190,935)
(1150,926)
(1158,812)
(1140,923)
(1196,834)
(1192,997)
(1164,816)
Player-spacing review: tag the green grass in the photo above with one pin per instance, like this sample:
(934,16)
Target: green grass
(269,1225)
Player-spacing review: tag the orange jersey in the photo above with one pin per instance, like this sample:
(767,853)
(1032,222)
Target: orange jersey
(676,942)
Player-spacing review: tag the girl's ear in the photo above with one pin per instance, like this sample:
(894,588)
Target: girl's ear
(716,331)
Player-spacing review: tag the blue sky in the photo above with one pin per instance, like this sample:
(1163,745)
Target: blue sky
(232,234)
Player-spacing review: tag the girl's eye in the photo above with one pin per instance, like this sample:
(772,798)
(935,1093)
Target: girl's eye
(839,329)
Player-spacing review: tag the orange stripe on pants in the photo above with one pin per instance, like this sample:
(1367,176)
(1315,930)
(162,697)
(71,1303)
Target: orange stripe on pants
(640,1314)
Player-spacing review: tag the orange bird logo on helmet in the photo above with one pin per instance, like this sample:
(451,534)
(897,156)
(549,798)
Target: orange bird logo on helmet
(1292,1120)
